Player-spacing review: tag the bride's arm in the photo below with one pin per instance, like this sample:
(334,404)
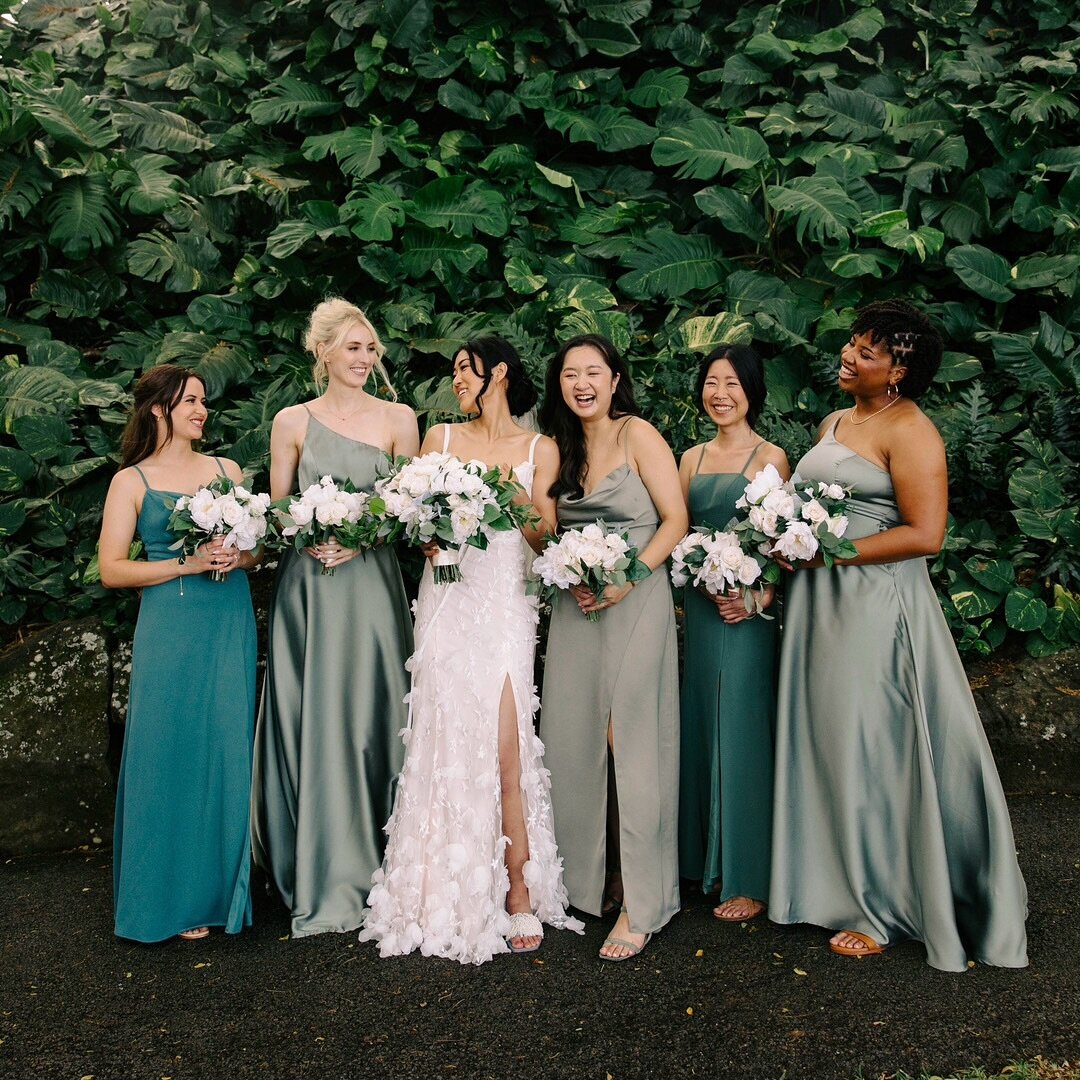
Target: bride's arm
(546,460)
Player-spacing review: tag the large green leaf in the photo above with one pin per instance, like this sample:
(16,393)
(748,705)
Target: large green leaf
(288,238)
(377,214)
(821,208)
(357,150)
(669,264)
(16,467)
(702,148)
(43,436)
(704,333)
(221,364)
(154,128)
(983,271)
(1024,610)
(406,23)
(733,210)
(655,88)
(462,209)
(185,262)
(69,295)
(82,216)
(290,98)
(849,114)
(145,185)
(65,113)
(27,391)
(1040,271)
(23,182)
(609,38)
(428,250)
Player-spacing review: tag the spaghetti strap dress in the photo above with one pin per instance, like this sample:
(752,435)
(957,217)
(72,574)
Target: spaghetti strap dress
(442,888)
(889,818)
(623,666)
(181,856)
(327,748)
(728,711)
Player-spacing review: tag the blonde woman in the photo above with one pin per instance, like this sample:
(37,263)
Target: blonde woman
(327,747)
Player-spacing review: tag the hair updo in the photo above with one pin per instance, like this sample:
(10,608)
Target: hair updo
(490,351)
(327,328)
(910,337)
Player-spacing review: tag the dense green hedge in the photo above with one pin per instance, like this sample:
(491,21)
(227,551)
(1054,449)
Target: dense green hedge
(182,181)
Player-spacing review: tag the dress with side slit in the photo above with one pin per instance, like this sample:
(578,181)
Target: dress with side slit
(728,709)
(624,667)
(443,884)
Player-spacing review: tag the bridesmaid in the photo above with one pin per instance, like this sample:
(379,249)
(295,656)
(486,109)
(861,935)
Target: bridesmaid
(610,700)
(327,748)
(889,820)
(728,691)
(181,857)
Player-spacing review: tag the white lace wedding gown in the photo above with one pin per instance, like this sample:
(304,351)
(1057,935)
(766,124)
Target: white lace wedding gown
(443,884)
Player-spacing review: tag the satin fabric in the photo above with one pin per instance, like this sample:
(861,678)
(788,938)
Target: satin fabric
(624,666)
(889,817)
(728,710)
(181,857)
(327,748)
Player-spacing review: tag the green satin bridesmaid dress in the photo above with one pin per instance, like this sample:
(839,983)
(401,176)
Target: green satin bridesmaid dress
(181,852)
(624,666)
(889,817)
(728,708)
(327,747)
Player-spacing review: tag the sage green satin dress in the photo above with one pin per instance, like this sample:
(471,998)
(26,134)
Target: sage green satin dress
(327,747)
(889,817)
(728,710)
(624,666)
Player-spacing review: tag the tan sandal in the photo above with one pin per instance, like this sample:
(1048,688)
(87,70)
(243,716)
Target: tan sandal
(871,947)
(740,903)
(195,934)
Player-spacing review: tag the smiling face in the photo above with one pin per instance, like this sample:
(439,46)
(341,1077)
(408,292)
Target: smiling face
(468,383)
(351,361)
(867,369)
(723,396)
(187,415)
(587,382)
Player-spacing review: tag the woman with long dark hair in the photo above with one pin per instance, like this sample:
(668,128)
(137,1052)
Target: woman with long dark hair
(610,700)
(729,665)
(180,852)
(471,867)
(326,748)
(889,821)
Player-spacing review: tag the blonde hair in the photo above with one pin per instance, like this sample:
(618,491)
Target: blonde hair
(327,328)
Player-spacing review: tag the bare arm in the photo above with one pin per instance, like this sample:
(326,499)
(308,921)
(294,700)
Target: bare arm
(117,532)
(286,442)
(546,473)
(406,434)
(655,464)
(686,473)
(433,440)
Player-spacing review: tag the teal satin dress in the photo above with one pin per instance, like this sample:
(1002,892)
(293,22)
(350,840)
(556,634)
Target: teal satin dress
(181,855)
(327,747)
(728,710)
(889,817)
(624,666)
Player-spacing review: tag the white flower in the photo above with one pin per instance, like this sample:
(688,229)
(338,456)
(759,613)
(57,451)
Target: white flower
(232,513)
(749,571)
(768,479)
(780,502)
(182,502)
(301,512)
(830,491)
(764,521)
(814,512)
(797,543)
(837,525)
(204,510)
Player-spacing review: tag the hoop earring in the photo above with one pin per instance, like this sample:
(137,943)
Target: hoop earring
(893,391)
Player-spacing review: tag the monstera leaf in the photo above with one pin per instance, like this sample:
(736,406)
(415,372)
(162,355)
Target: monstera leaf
(667,264)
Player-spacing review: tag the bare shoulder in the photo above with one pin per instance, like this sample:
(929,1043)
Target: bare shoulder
(232,469)
(912,427)
(127,482)
(828,422)
(690,457)
(643,436)
(433,439)
(771,454)
(292,420)
(547,450)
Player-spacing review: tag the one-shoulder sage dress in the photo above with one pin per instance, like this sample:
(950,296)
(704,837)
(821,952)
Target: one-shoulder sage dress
(181,854)
(327,746)
(624,666)
(889,818)
(728,710)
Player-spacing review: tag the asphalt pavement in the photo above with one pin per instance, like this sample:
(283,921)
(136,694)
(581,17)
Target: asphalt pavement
(704,999)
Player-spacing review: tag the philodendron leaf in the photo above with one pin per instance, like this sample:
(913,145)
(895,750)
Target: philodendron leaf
(42,436)
(733,210)
(667,264)
(704,333)
(520,277)
(821,208)
(702,148)
(1024,610)
(983,271)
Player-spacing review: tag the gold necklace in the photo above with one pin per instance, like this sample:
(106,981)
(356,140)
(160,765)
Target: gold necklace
(347,416)
(856,423)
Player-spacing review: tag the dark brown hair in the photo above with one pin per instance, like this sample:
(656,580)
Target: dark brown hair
(910,338)
(162,386)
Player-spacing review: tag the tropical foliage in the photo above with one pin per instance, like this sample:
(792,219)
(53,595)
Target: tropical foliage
(181,181)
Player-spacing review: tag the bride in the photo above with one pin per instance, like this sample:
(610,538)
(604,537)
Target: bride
(471,866)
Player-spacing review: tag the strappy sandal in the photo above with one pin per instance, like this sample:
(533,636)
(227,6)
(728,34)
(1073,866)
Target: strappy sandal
(745,903)
(634,949)
(522,925)
(195,934)
(872,948)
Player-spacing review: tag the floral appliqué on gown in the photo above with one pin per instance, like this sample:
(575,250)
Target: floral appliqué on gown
(443,884)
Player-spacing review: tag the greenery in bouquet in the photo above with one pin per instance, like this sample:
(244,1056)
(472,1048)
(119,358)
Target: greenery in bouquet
(323,511)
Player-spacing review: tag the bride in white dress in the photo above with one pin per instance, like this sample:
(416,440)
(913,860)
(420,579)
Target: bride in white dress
(471,866)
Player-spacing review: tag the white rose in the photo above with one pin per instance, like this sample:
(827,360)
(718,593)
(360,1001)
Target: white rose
(749,571)
(779,502)
(232,513)
(797,543)
(204,510)
(182,502)
(731,558)
(814,512)
(837,525)
(301,512)
(768,479)
(473,485)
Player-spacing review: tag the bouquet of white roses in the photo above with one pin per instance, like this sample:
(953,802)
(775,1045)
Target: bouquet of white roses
(454,503)
(795,520)
(222,508)
(716,562)
(593,556)
(324,510)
